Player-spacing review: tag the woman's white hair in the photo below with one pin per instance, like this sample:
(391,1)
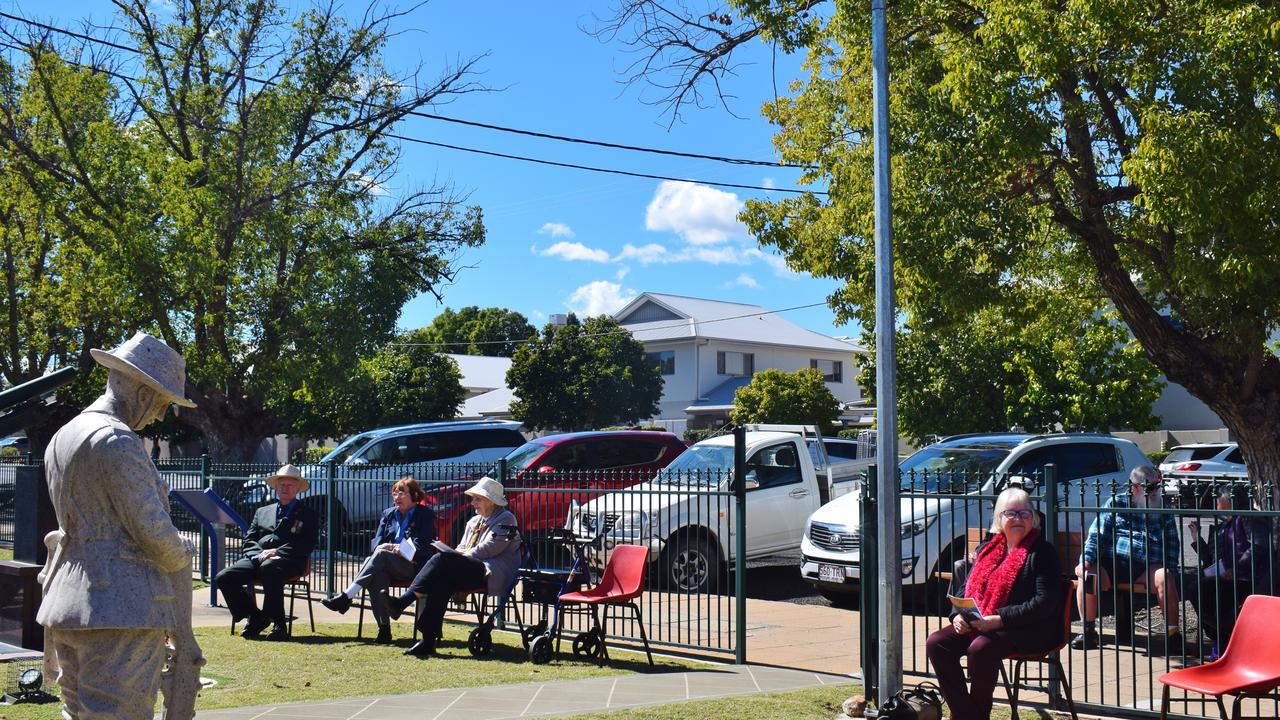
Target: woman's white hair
(1008,497)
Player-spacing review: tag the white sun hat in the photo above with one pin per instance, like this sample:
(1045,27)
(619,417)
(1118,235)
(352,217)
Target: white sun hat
(488,488)
(149,361)
(289,470)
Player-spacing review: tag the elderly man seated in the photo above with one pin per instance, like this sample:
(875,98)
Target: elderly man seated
(276,548)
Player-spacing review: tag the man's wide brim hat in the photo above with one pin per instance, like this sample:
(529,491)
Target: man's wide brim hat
(289,471)
(488,488)
(151,362)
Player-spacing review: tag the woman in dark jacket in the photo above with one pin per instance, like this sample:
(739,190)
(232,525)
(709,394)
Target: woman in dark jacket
(405,519)
(1016,581)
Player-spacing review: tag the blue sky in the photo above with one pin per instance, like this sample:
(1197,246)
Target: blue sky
(566,240)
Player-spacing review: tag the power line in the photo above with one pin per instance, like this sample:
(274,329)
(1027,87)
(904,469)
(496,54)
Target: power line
(526,341)
(458,121)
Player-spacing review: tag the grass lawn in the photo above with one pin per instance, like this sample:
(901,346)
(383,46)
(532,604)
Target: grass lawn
(6,553)
(333,664)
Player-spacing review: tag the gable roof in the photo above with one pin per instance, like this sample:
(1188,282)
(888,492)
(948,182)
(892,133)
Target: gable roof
(687,318)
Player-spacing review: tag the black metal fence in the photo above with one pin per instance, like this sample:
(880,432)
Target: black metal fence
(1215,546)
(685,520)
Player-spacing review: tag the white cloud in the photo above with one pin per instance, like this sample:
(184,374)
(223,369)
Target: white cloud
(622,273)
(576,251)
(645,254)
(768,182)
(776,262)
(556,230)
(744,280)
(599,298)
(699,214)
(721,255)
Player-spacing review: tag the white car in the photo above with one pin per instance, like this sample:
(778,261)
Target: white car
(965,472)
(1204,459)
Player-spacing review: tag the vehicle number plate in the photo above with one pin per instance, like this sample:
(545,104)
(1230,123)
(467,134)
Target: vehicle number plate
(830,573)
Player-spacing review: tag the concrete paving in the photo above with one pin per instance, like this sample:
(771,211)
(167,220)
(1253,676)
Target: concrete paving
(548,699)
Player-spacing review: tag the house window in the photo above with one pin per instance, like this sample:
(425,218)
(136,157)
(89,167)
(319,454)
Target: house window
(832,370)
(735,363)
(665,360)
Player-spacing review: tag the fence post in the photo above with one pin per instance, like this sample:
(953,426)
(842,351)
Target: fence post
(330,528)
(1051,535)
(868,581)
(740,545)
(205,484)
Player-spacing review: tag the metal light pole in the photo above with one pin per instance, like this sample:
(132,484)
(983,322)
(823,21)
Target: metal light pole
(888,532)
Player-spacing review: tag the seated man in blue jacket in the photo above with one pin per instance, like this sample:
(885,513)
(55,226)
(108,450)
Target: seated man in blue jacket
(399,549)
(280,539)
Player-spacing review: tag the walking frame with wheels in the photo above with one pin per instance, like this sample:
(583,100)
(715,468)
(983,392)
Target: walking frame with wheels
(546,587)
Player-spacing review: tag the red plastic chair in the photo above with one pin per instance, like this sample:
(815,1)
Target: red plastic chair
(1049,657)
(622,583)
(1250,667)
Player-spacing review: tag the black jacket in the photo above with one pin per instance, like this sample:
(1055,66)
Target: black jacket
(1033,613)
(293,537)
(422,528)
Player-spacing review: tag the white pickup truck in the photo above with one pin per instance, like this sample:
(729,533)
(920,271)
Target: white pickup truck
(685,515)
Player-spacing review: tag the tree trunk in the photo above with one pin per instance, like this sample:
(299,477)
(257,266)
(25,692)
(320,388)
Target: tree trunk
(233,428)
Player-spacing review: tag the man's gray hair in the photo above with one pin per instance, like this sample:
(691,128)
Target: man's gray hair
(1144,475)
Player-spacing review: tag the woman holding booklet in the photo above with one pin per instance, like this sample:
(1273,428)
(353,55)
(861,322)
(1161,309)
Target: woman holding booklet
(487,557)
(1014,582)
(399,549)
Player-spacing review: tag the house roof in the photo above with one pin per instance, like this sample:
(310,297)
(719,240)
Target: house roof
(482,372)
(495,403)
(686,318)
(720,397)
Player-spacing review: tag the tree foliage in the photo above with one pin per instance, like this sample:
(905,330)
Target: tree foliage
(477,331)
(1125,152)
(228,182)
(1043,373)
(581,376)
(407,384)
(776,396)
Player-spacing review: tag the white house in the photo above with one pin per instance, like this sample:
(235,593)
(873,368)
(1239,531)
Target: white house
(707,349)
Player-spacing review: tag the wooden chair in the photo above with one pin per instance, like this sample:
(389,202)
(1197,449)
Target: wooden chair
(1049,657)
(303,581)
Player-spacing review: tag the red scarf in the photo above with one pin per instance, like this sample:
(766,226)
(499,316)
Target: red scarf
(995,569)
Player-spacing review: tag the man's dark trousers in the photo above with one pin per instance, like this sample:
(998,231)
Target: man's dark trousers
(234,581)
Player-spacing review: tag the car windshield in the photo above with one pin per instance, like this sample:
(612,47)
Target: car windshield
(935,469)
(700,465)
(520,458)
(343,452)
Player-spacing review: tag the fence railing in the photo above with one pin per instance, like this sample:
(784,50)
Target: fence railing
(685,519)
(1206,542)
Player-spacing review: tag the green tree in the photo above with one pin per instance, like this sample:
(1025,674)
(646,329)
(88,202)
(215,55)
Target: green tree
(477,331)
(407,384)
(1042,372)
(775,396)
(1041,152)
(236,185)
(581,376)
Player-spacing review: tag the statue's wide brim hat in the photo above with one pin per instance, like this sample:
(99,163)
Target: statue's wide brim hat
(150,361)
(289,470)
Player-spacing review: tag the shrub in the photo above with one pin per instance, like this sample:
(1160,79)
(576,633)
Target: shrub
(692,435)
(310,456)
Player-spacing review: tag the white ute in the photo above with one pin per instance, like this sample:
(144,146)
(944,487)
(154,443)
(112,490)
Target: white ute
(690,532)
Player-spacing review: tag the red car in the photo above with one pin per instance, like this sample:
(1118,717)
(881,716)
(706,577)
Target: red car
(546,474)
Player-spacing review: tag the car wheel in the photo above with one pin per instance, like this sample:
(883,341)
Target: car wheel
(692,564)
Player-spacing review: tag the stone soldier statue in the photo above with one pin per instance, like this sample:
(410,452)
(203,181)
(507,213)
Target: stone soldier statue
(117,567)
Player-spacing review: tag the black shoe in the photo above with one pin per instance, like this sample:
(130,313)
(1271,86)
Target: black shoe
(1087,640)
(257,624)
(278,633)
(397,605)
(421,649)
(1174,645)
(338,603)
(384,635)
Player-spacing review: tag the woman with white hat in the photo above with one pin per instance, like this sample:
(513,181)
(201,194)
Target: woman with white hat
(487,556)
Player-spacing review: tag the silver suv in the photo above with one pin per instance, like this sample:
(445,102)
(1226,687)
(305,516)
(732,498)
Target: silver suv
(366,465)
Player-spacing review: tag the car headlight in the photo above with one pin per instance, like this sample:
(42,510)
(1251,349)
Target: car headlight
(632,522)
(911,528)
